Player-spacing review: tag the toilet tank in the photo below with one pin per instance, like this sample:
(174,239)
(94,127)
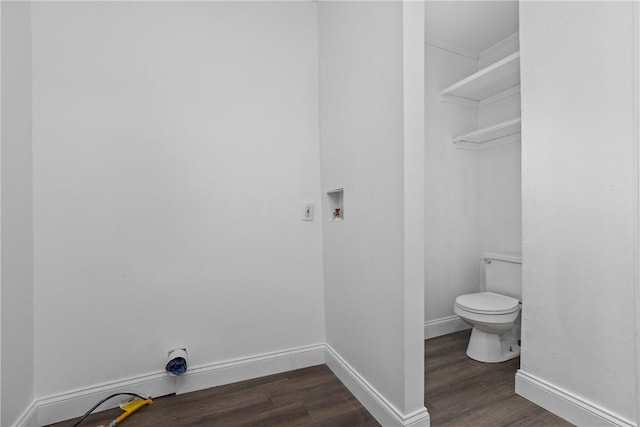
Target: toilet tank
(503,274)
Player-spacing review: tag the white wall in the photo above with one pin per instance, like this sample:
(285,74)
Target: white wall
(413,109)
(173,147)
(499,196)
(499,183)
(452,258)
(580,209)
(362,151)
(472,197)
(17,224)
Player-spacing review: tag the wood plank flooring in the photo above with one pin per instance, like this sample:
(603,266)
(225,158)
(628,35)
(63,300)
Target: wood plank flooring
(304,397)
(459,392)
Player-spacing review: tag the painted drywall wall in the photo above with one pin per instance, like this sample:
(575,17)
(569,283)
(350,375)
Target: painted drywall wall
(413,109)
(499,179)
(499,169)
(452,264)
(174,145)
(362,151)
(472,197)
(499,202)
(17,214)
(1,219)
(580,191)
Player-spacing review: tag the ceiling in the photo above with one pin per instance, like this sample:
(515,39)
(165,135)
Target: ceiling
(471,25)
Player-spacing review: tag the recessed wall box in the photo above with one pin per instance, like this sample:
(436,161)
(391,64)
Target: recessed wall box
(335,202)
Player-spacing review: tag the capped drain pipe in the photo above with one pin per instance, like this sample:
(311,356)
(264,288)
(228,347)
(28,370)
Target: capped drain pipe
(177,361)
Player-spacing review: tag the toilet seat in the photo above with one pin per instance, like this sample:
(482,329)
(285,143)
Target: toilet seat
(487,303)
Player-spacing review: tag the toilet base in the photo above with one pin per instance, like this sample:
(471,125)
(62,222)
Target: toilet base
(490,348)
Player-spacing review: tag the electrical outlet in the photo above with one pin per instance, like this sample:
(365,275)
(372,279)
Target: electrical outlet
(307,212)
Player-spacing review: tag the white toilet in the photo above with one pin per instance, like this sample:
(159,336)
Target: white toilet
(495,313)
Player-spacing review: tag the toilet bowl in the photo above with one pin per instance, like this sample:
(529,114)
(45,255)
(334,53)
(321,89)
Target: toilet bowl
(493,316)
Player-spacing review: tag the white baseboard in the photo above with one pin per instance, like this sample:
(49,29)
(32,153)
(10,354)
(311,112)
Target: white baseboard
(64,406)
(67,405)
(443,326)
(215,374)
(564,404)
(381,409)
(72,404)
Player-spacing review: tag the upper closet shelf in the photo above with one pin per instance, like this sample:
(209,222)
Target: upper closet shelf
(508,131)
(492,80)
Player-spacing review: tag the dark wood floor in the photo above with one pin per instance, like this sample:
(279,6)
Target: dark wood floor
(304,397)
(462,392)
(458,392)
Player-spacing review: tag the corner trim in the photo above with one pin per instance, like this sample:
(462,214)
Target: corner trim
(443,326)
(565,404)
(382,410)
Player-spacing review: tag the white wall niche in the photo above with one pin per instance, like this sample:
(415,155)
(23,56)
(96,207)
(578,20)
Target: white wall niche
(335,204)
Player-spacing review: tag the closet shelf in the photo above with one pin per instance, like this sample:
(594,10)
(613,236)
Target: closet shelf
(504,132)
(494,79)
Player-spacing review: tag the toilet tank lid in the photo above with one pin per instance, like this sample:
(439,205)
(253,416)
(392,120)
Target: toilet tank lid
(487,302)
